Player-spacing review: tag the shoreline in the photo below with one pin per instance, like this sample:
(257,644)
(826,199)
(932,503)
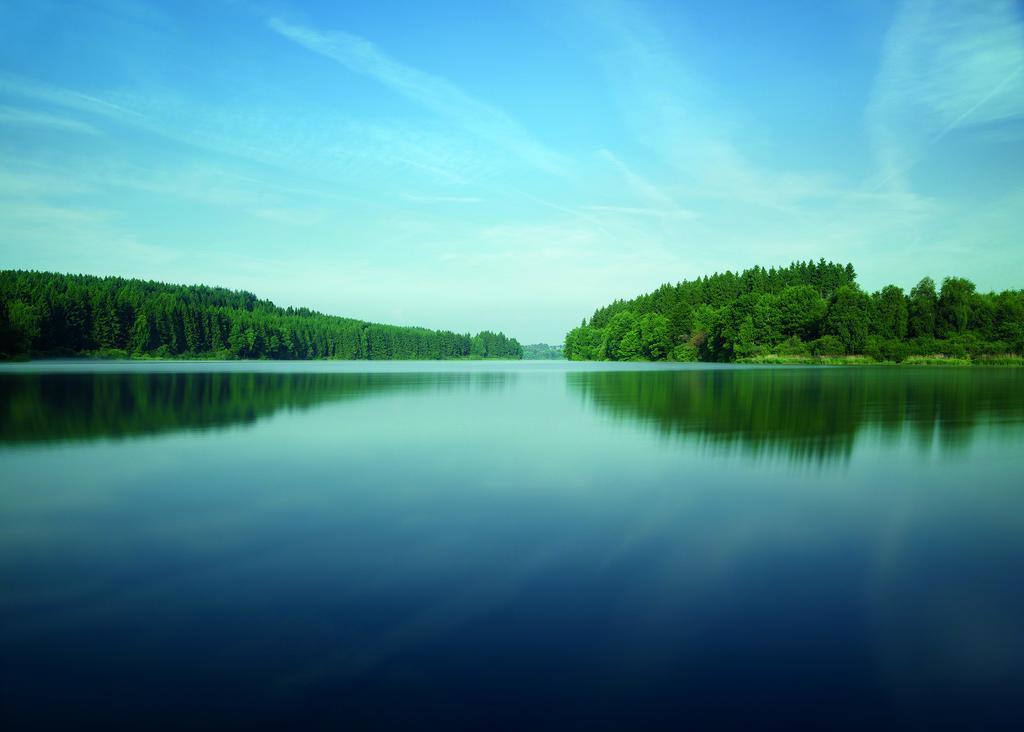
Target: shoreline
(1004,360)
(932,360)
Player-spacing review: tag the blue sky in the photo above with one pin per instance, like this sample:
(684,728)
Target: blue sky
(508,165)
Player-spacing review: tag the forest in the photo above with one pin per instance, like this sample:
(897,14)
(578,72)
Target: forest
(807,311)
(46,314)
(542,352)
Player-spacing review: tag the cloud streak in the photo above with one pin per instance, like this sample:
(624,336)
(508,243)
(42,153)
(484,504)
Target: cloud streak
(418,198)
(673,111)
(681,214)
(945,66)
(662,203)
(18,117)
(15,85)
(324,147)
(435,93)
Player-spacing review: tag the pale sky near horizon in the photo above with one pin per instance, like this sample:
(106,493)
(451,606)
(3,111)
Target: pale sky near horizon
(513,165)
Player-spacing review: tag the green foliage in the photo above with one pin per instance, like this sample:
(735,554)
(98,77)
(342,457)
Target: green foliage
(680,321)
(685,352)
(626,338)
(847,318)
(51,314)
(800,311)
(923,308)
(889,313)
(808,310)
(883,349)
(630,347)
(954,306)
(1008,320)
(486,344)
(618,328)
(827,345)
(19,327)
(583,343)
(653,334)
(542,352)
(793,346)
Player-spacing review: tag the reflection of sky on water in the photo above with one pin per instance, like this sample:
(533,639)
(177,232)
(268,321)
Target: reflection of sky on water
(406,527)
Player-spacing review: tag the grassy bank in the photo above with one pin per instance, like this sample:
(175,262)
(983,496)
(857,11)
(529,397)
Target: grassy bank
(117,354)
(933,360)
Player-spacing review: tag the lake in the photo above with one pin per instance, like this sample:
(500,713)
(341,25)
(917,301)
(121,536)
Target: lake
(510,545)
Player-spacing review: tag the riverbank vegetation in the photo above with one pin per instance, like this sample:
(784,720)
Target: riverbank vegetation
(47,314)
(542,352)
(805,313)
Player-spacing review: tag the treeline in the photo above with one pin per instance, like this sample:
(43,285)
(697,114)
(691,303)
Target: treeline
(542,352)
(806,309)
(47,314)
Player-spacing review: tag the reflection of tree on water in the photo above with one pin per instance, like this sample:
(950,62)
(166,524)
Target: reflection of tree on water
(807,414)
(54,407)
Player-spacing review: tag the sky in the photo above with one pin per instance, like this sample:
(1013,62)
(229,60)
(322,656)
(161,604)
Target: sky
(509,165)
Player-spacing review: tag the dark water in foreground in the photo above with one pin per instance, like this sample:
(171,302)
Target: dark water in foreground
(510,546)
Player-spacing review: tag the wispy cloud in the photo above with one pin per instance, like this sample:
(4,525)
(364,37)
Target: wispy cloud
(327,147)
(419,198)
(677,114)
(16,116)
(28,186)
(748,209)
(11,211)
(945,65)
(18,181)
(674,178)
(435,93)
(660,201)
(657,213)
(16,85)
(430,153)
(289,216)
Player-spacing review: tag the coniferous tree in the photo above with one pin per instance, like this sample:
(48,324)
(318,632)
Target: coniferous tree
(51,314)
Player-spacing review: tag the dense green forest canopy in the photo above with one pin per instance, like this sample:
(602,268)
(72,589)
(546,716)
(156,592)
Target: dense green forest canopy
(805,309)
(47,314)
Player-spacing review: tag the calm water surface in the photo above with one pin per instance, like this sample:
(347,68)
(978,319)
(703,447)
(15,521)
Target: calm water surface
(510,545)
